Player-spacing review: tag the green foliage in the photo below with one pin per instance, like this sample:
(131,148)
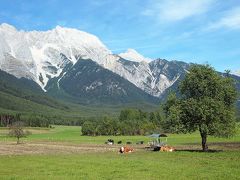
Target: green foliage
(100,126)
(88,128)
(130,122)
(24,89)
(206,104)
(34,120)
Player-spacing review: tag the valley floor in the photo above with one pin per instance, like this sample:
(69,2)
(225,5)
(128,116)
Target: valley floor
(61,153)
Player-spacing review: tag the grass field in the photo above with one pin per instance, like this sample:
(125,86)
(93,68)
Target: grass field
(62,153)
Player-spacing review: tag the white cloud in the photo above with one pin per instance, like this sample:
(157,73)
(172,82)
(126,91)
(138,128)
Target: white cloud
(176,10)
(230,20)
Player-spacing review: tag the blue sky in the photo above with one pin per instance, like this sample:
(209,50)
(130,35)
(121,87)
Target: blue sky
(199,31)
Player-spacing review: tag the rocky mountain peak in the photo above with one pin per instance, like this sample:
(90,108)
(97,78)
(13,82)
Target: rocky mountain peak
(133,55)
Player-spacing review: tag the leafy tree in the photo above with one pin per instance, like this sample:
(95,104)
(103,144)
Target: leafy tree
(206,104)
(88,128)
(16,130)
(106,126)
(130,122)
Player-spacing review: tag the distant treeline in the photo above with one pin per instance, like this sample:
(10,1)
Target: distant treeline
(38,120)
(130,122)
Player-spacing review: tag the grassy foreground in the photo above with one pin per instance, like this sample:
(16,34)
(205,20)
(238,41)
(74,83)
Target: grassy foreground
(111,165)
(150,165)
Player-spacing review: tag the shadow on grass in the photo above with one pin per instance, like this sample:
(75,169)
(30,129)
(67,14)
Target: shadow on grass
(198,150)
(217,147)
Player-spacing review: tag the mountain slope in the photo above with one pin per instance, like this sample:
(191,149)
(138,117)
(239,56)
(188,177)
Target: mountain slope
(17,93)
(154,77)
(37,55)
(89,83)
(50,57)
(43,56)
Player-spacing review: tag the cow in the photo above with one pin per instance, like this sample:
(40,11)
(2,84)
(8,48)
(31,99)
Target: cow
(119,142)
(128,142)
(140,142)
(110,142)
(167,149)
(126,149)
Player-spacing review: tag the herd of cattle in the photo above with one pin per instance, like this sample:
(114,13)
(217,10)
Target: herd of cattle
(111,142)
(126,149)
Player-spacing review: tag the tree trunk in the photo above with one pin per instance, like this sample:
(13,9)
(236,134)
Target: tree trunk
(204,142)
(17,140)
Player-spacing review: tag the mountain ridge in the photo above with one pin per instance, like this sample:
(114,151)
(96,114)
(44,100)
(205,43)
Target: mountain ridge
(89,82)
(46,57)
(43,55)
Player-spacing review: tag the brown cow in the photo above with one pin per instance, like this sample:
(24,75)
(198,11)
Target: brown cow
(126,149)
(167,148)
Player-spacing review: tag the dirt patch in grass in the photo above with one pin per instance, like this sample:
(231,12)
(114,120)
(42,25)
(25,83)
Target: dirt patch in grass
(38,131)
(213,147)
(228,145)
(11,148)
(5,131)
(49,147)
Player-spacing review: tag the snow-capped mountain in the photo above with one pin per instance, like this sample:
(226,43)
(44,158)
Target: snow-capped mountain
(90,83)
(237,73)
(38,55)
(45,55)
(133,55)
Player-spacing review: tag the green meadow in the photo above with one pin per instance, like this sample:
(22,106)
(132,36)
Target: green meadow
(186,163)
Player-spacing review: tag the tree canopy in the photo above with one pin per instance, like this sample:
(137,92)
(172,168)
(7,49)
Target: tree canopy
(206,103)
(129,122)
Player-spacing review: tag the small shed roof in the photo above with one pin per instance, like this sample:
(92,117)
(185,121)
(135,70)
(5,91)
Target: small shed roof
(163,135)
(157,135)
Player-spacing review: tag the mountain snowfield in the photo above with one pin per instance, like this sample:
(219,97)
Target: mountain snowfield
(237,73)
(43,55)
(38,55)
(133,55)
